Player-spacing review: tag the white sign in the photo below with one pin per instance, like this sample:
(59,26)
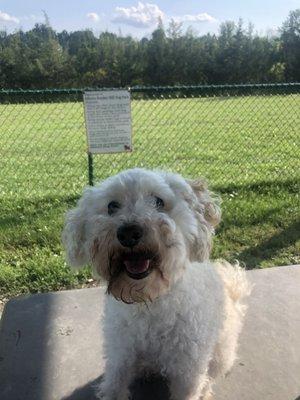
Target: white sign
(108,121)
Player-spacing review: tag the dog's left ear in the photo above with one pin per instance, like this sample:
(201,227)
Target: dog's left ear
(206,208)
(207,203)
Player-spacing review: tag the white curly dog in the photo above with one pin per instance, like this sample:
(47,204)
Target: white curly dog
(168,309)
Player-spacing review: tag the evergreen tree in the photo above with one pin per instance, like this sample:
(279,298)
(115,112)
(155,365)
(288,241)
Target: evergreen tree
(41,57)
(290,38)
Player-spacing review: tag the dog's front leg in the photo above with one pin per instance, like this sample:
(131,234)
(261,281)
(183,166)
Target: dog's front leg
(116,381)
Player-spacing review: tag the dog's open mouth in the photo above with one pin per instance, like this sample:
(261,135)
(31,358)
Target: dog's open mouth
(137,265)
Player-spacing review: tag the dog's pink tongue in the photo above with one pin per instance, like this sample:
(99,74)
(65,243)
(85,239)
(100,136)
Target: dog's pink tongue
(136,266)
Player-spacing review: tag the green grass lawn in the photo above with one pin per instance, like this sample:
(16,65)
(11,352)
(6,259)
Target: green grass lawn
(247,147)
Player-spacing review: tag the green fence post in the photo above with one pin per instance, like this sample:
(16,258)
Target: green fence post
(91,169)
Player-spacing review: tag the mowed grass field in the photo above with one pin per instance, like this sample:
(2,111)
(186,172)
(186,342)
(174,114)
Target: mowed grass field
(247,147)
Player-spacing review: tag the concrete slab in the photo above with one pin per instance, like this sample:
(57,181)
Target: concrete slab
(50,345)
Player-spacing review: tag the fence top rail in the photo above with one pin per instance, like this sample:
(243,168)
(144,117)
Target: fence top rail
(145,89)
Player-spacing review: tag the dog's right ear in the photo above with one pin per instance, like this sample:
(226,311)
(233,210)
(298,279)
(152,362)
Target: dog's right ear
(74,237)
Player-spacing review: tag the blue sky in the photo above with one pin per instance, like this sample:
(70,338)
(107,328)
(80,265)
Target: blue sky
(138,18)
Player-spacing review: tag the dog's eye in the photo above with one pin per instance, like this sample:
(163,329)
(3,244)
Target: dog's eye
(159,203)
(112,207)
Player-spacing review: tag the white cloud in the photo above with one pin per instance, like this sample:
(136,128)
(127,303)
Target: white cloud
(4,17)
(93,16)
(144,15)
(31,17)
(203,17)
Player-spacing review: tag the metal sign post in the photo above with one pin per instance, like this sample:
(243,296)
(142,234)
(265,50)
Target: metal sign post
(91,169)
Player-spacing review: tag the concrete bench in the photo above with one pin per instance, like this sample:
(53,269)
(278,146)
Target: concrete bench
(50,345)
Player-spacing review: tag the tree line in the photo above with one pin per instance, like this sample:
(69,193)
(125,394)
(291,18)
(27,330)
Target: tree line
(44,58)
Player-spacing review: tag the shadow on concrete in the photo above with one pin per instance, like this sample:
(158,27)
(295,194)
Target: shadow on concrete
(152,387)
(23,346)
(86,392)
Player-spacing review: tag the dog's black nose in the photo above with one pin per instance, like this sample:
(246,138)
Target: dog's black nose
(129,235)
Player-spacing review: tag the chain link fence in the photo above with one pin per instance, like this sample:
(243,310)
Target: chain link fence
(230,134)
(244,139)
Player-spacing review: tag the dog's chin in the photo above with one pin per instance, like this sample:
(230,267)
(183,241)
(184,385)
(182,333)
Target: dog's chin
(136,276)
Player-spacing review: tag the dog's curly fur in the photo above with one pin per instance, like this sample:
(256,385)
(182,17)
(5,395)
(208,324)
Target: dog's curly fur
(168,309)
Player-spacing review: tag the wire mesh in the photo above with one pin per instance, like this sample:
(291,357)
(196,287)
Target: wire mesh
(229,134)
(244,139)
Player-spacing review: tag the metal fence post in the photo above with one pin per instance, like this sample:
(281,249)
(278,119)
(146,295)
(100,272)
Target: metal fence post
(90,169)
